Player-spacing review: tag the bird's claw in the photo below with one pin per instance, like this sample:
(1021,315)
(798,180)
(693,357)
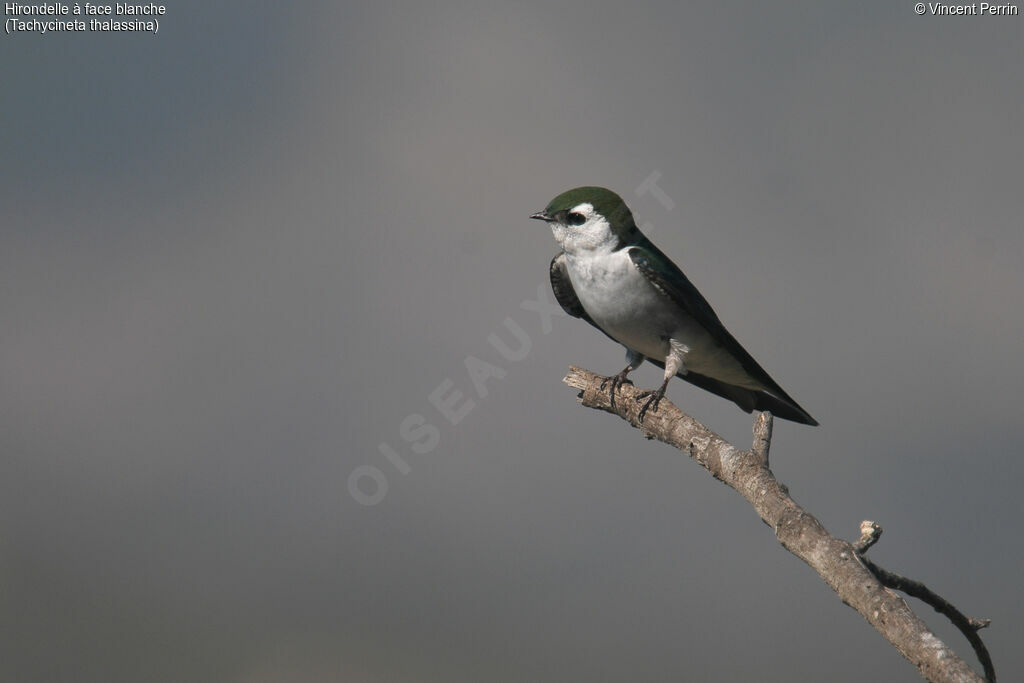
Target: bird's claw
(653,399)
(616,382)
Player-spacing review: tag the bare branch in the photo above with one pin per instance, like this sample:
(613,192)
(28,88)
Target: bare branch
(835,560)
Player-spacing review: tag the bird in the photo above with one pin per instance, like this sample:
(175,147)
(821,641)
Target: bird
(611,275)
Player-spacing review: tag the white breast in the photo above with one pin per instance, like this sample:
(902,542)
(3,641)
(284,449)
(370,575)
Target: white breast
(621,300)
(626,305)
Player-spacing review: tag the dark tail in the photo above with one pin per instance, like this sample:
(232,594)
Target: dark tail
(748,399)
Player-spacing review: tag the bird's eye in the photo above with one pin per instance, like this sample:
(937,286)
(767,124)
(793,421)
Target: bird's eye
(575,219)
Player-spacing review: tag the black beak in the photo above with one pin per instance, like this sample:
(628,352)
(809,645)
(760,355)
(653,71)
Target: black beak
(542,216)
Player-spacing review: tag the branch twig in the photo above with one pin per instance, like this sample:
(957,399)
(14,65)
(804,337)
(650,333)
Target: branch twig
(839,563)
(869,535)
(762,437)
(870,532)
(967,625)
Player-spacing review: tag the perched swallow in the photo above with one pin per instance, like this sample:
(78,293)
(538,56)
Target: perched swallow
(609,274)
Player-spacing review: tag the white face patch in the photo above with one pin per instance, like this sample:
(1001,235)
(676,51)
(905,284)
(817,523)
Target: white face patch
(586,209)
(594,233)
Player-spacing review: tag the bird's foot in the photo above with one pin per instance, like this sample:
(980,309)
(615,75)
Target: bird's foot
(616,382)
(653,399)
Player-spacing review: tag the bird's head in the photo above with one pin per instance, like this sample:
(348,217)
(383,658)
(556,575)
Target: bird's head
(588,218)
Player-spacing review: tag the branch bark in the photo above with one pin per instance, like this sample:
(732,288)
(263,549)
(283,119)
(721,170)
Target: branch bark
(839,563)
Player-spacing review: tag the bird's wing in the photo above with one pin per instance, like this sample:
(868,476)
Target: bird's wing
(666,278)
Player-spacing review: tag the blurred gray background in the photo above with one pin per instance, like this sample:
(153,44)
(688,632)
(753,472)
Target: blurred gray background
(237,255)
